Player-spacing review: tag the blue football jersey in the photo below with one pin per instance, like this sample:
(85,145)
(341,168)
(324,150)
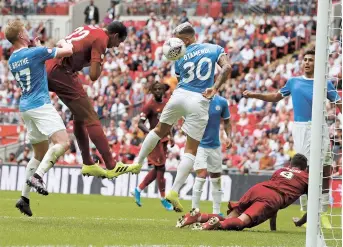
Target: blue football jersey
(196,68)
(301,89)
(28,68)
(218,109)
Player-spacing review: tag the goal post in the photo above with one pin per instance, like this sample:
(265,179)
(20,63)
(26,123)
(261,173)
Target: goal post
(327,27)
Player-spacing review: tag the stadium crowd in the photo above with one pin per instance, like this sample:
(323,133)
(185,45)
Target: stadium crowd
(265,51)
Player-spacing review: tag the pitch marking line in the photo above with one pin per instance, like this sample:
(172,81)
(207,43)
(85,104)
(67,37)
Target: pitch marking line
(83,218)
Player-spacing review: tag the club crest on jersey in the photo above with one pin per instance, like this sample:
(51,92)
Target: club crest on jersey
(218,108)
(49,50)
(102,56)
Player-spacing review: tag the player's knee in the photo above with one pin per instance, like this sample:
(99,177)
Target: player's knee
(62,138)
(246,220)
(162,129)
(202,173)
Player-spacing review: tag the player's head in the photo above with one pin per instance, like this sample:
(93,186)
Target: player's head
(185,32)
(308,62)
(16,33)
(158,89)
(117,33)
(299,161)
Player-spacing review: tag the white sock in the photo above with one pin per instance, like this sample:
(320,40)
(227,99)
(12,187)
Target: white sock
(303,203)
(325,201)
(148,145)
(197,191)
(138,189)
(31,168)
(183,170)
(216,194)
(50,159)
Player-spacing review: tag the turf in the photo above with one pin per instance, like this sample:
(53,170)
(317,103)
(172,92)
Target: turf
(79,220)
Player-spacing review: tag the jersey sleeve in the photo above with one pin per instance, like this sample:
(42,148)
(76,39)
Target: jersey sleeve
(287,89)
(332,94)
(98,50)
(177,69)
(42,53)
(226,111)
(220,52)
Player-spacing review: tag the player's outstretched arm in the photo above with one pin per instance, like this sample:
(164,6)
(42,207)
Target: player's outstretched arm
(272,223)
(64,49)
(269,97)
(224,74)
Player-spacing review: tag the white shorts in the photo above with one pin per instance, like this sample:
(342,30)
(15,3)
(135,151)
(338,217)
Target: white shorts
(190,105)
(210,159)
(42,122)
(301,132)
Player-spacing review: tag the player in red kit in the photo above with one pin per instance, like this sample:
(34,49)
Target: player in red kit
(157,158)
(89,47)
(260,203)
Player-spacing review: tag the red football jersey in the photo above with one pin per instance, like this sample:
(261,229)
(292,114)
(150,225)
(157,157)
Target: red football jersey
(152,111)
(290,182)
(90,45)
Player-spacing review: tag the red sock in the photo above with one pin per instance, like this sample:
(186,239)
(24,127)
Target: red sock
(151,176)
(81,135)
(161,181)
(205,217)
(232,224)
(100,141)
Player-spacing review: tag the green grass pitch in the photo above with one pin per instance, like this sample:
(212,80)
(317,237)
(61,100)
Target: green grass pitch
(79,220)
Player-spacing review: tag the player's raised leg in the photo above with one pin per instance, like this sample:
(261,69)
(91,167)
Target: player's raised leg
(60,141)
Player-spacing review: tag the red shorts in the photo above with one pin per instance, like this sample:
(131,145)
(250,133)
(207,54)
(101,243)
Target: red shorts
(158,156)
(65,84)
(259,203)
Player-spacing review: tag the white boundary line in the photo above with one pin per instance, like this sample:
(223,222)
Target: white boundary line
(82,218)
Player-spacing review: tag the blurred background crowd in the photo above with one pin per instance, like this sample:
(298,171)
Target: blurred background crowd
(265,51)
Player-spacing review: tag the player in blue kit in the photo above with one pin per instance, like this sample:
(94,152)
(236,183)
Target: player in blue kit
(301,89)
(191,100)
(209,155)
(40,117)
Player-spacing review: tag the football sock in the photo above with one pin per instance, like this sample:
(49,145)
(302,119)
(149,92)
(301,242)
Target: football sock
(205,217)
(81,134)
(30,170)
(161,181)
(232,224)
(325,201)
(197,191)
(303,203)
(151,176)
(216,194)
(50,159)
(183,171)
(148,145)
(96,134)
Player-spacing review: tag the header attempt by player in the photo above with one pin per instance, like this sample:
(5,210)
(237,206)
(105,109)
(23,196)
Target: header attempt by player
(195,72)
(89,47)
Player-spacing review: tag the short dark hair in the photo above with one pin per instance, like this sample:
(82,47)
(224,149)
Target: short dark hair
(184,29)
(310,52)
(300,161)
(117,27)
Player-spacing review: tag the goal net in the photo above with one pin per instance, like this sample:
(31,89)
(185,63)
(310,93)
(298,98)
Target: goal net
(330,172)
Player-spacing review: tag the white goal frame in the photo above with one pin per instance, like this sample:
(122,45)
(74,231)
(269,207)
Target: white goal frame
(314,237)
